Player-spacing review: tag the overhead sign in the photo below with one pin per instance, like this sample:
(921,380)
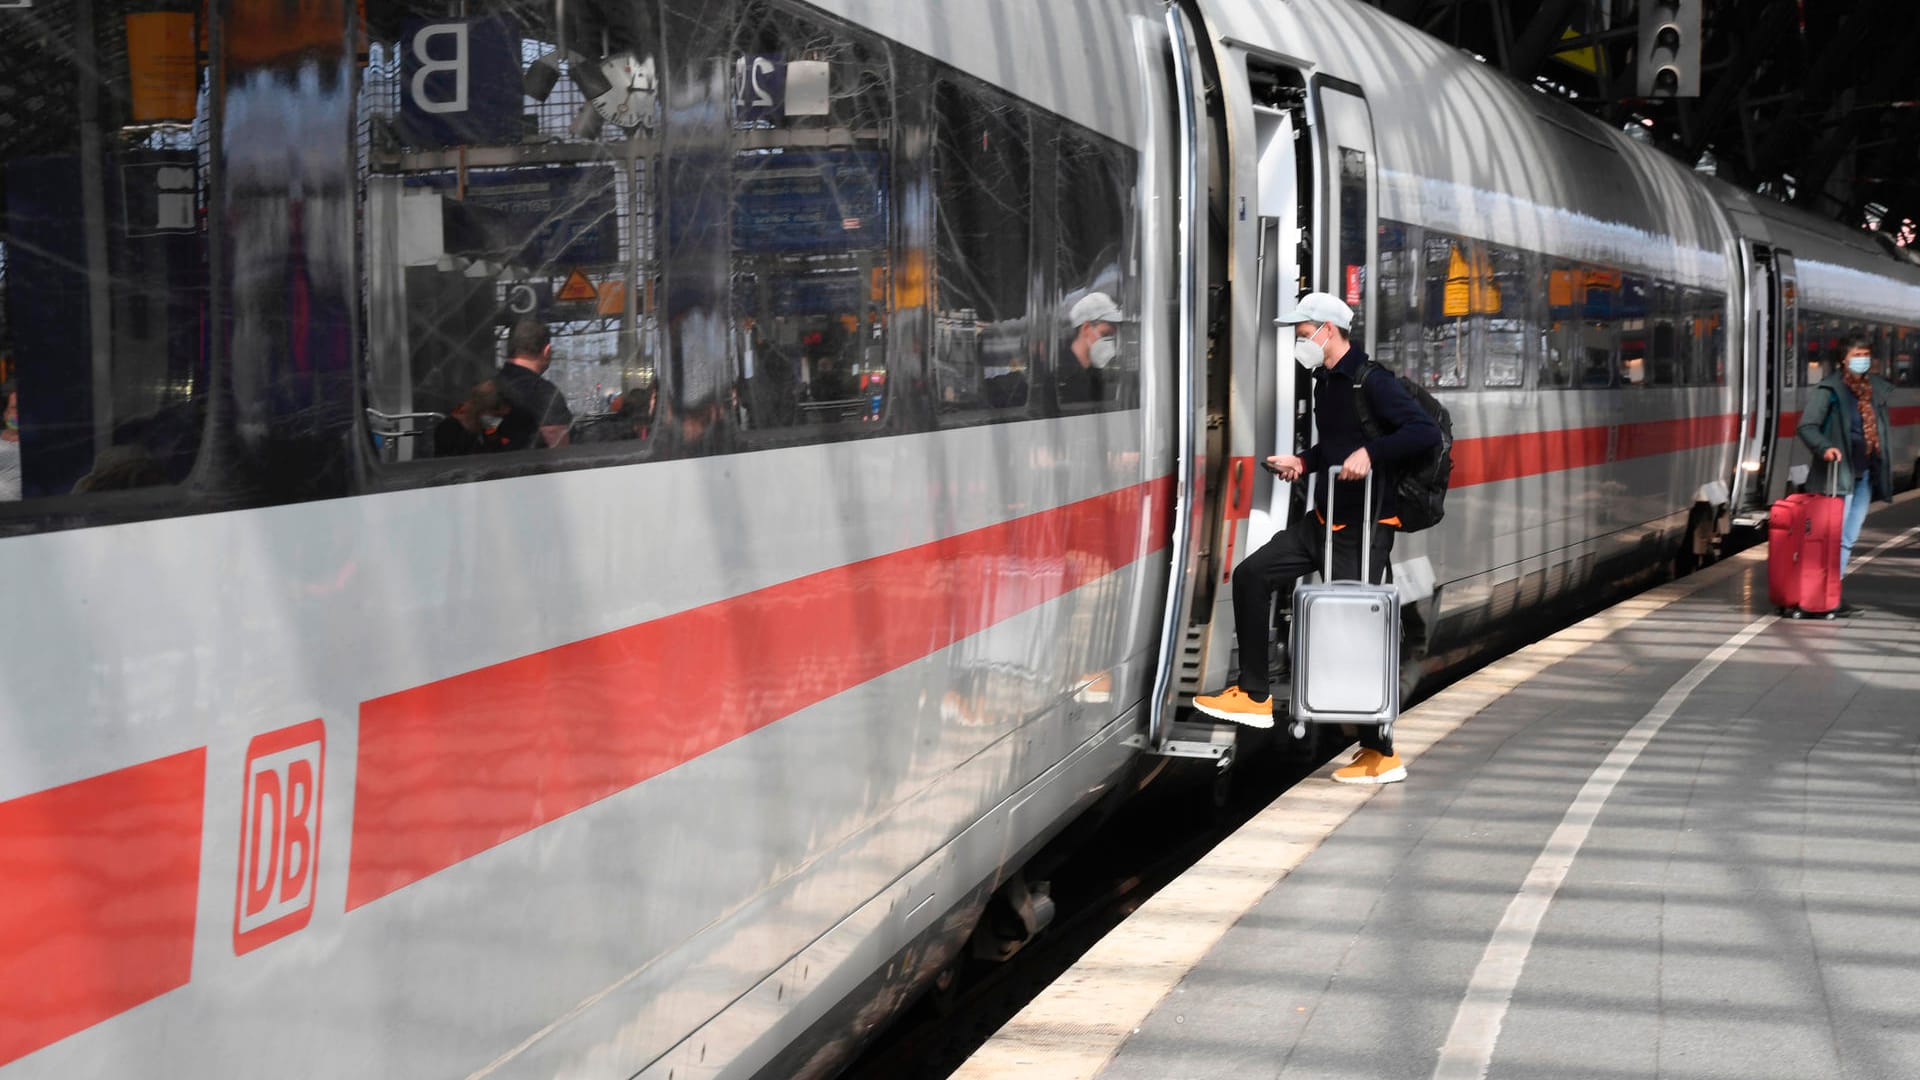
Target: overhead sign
(163,66)
(808,202)
(531,216)
(159,193)
(759,87)
(460,82)
(526,300)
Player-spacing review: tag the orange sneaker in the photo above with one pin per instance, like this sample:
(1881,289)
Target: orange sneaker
(1234,704)
(1372,767)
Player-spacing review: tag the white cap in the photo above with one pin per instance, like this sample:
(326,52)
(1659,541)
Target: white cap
(1094,307)
(1319,307)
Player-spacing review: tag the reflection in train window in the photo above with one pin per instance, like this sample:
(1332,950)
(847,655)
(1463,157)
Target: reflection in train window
(533,204)
(1502,316)
(1353,236)
(1713,340)
(983,211)
(105,364)
(1597,294)
(1449,294)
(810,210)
(1393,278)
(695,200)
(1902,368)
(1664,364)
(1096,361)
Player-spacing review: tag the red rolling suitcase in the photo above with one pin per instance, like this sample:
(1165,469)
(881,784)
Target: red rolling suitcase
(1803,554)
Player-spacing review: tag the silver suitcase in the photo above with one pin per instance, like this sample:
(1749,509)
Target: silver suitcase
(1346,643)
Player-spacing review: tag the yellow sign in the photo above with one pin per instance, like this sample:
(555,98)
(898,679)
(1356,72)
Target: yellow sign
(613,298)
(578,287)
(1587,59)
(163,66)
(1470,289)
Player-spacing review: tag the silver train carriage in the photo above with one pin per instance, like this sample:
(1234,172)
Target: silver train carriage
(677,708)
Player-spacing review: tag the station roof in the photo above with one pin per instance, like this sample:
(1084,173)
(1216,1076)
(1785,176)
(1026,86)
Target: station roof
(1815,102)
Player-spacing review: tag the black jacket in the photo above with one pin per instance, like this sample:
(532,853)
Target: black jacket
(1406,432)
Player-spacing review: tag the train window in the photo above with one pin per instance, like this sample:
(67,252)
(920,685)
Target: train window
(1664,361)
(106,348)
(1597,295)
(1503,316)
(1903,369)
(1096,362)
(1633,313)
(984,225)
(1713,340)
(1690,330)
(1393,277)
(1449,292)
(512,276)
(683,212)
(1560,341)
(1353,236)
(810,226)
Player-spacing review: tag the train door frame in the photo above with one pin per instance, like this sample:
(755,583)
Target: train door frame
(1772,310)
(1191,139)
(1784,374)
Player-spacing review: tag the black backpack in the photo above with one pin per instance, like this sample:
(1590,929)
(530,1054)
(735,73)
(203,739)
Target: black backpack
(1420,488)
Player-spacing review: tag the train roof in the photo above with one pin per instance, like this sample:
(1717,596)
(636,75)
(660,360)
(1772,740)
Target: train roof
(1842,271)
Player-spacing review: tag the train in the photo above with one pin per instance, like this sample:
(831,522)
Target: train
(701,737)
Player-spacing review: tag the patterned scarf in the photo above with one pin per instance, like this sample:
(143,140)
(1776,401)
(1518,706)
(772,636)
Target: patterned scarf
(1862,388)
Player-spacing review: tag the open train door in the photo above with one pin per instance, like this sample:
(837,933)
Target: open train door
(1181,138)
(1770,372)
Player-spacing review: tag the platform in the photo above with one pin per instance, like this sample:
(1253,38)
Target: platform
(1679,839)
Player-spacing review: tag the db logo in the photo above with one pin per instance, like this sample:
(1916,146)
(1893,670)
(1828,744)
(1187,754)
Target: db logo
(279,834)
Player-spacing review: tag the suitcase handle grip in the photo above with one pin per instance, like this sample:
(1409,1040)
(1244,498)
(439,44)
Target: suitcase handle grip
(1366,530)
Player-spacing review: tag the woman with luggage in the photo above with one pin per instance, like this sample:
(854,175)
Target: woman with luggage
(1845,424)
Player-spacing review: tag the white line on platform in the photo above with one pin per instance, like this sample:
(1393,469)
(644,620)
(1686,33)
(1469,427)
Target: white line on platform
(1468,1051)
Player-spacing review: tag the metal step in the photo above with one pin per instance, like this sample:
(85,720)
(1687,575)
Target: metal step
(1199,736)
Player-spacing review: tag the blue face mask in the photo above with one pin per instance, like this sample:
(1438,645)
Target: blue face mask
(1859,365)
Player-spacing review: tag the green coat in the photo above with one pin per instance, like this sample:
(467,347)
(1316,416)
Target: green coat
(1823,425)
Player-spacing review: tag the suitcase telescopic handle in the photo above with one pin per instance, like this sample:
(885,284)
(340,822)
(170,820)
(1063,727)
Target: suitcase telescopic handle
(1366,530)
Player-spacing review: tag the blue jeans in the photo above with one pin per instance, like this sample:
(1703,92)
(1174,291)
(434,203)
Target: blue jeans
(1854,514)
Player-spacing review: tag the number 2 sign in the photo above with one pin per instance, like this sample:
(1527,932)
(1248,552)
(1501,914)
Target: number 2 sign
(759,87)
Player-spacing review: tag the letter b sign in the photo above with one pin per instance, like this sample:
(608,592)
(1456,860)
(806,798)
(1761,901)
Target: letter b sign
(460,82)
(279,834)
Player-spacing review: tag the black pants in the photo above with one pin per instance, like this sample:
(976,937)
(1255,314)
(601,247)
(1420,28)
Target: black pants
(1274,569)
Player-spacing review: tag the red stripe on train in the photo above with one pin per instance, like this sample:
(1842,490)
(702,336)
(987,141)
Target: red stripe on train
(455,767)
(1509,457)
(99,884)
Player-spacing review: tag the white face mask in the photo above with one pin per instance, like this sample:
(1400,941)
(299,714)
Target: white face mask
(1103,351)
(1308,353)
(1859,365)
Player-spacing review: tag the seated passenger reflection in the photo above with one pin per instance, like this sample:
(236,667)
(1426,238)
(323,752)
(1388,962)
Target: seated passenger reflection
(1092,324)
(537,414)
(474,425)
